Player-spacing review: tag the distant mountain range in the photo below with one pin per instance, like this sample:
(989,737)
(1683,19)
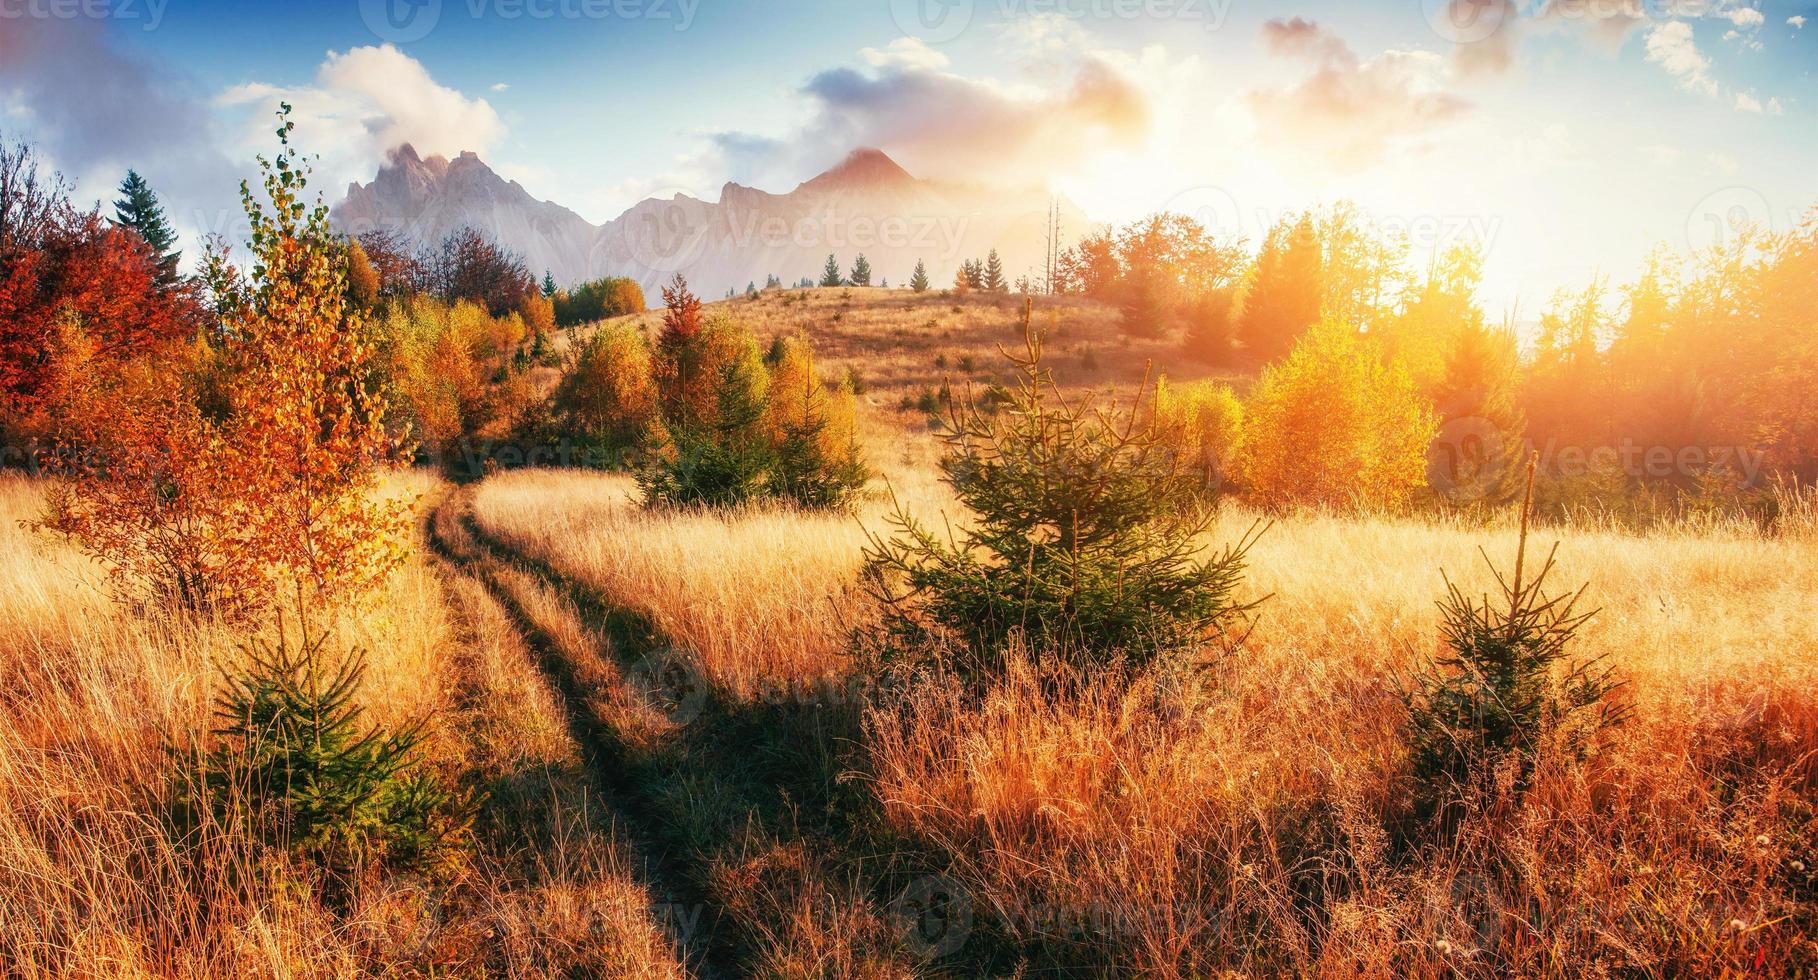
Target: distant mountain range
(867,204)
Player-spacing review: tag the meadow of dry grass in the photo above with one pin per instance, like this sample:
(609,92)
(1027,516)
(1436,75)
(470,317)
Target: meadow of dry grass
(1246,820)
(781,814)
(94,883)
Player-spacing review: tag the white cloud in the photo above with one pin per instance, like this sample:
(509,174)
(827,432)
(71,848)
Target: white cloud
(1044,37)
(1747,18)
(1747,103)
(364,102)
(938,123)
(1797,21)
(1672,46)
(95,109)
(500,86)
(911,53)
(1351,110)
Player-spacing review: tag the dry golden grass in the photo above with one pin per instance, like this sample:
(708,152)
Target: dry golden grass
(690,572)
(93,884)
(893,337)
(1256,820)
(1251,819)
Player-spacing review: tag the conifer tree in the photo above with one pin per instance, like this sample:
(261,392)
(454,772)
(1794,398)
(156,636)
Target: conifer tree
(830,276)
(291,761)
(138,209)
(718,453)
(861,272)
(992,278)
(1505,687)
(918,282)
(549,285)
(1476,456)
(1285,292)
(975,274)
(1086,538)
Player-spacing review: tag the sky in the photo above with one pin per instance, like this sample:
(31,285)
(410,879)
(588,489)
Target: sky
(1567,137)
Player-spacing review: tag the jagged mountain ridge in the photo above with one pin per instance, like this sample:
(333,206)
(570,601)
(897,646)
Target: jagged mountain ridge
(866,204)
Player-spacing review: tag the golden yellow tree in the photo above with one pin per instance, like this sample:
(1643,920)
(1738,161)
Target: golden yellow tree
(1335,424)
(1203,423)
(215,485)
(307,416)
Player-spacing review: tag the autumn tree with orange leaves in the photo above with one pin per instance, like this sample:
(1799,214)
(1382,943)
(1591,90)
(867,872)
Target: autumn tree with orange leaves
(275,487)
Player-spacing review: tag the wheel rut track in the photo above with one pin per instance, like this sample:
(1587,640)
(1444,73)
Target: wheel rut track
(705,949)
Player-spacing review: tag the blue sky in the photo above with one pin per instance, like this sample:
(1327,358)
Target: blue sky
(1569,135)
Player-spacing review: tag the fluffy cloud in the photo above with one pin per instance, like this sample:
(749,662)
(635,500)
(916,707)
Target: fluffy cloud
(95,111)
(1351,111)
(1797,21)
(1746,18)
(1671,45)
(941,124)
(364,102)
(1489,32)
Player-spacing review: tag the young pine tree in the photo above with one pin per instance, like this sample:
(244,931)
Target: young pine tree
(1211,334)
(549,285)
(991,278)
(1085,539)
(861,271)
(918,282)
(291,764)
(812,431)
(830,274)
(1506,689)
(712,448)
(138,209)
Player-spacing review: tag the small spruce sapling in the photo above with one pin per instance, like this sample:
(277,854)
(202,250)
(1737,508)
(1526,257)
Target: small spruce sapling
(1506,687)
